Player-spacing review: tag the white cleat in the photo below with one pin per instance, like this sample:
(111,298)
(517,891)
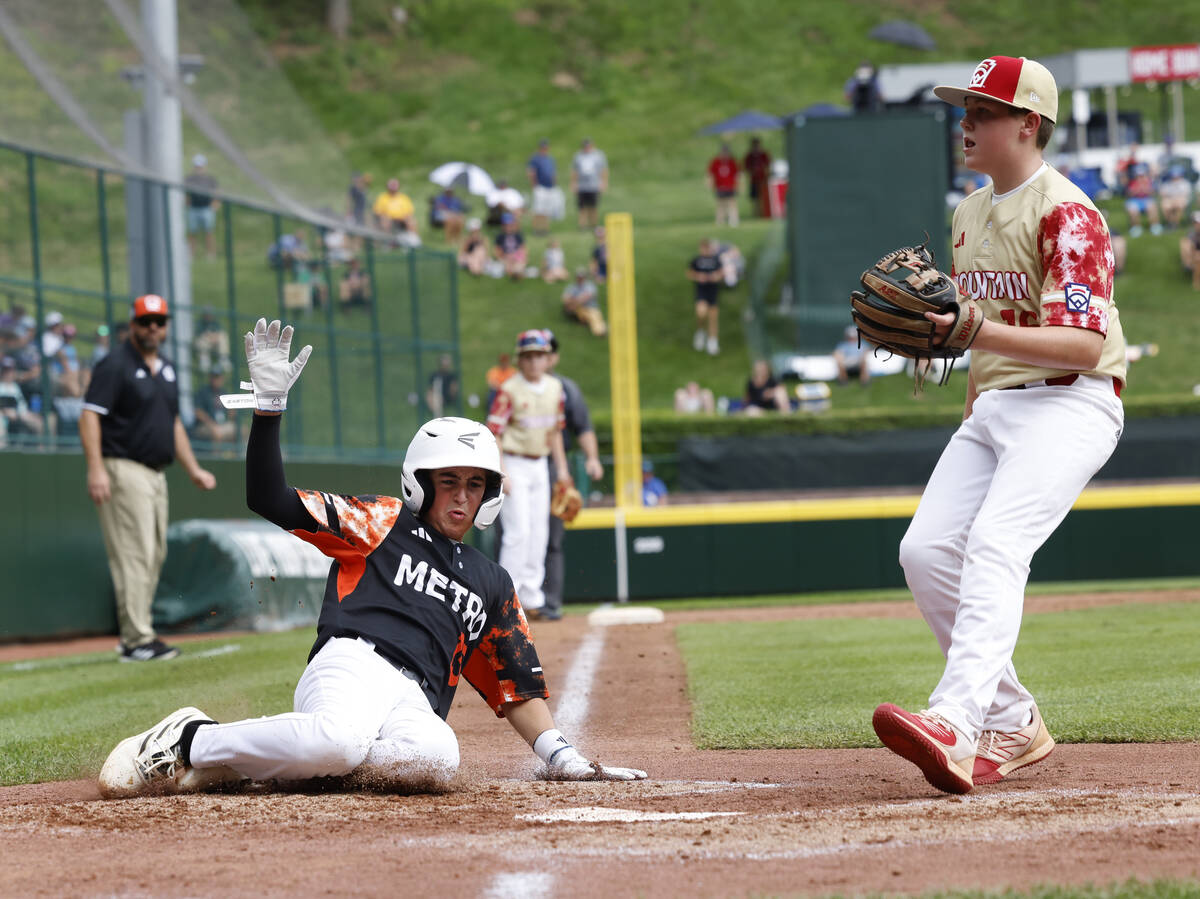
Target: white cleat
(150,762)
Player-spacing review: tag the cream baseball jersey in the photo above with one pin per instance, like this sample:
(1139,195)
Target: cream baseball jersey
(1041,256)
(524,414)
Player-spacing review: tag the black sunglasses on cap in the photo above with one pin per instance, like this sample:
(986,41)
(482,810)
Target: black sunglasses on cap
(147,320)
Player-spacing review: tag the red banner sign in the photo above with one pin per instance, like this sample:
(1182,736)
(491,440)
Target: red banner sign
(1180,62)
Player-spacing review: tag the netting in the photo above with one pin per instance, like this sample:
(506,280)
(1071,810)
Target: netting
(72,68)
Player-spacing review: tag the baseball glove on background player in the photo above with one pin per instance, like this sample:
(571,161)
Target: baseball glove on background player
(565,501)
(899,289)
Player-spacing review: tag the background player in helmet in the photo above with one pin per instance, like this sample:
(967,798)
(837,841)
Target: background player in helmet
(527,418)
(408,610)
(1042,414)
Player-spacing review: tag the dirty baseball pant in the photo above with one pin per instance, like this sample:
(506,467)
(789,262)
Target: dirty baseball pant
(525,515)
(354,712)
(134,524)
(1005,481)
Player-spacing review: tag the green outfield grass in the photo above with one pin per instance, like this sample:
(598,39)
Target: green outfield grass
(62,715)
(1114,674)
(764,685)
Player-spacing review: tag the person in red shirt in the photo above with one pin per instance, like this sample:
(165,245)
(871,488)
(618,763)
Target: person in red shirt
(757,163)
(723,179)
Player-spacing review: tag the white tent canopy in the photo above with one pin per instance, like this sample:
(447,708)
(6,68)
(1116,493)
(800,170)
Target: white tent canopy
(1078,71)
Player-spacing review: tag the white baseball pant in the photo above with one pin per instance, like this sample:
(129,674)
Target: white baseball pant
(354,711)
(525,516)
(1005,481)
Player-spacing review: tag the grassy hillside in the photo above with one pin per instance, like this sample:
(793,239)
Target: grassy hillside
(484,81)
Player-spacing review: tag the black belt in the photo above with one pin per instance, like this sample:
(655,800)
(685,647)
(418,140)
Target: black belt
(158,468)
(524,455)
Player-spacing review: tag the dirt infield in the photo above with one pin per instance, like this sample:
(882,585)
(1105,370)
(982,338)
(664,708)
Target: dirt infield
(706,824)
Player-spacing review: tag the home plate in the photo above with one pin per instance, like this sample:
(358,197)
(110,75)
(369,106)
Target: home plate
(625,614)
(596,814)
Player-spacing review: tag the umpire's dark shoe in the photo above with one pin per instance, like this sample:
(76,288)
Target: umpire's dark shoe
(155,650)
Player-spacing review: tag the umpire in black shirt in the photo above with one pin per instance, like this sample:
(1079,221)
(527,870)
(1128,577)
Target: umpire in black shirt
(130,430)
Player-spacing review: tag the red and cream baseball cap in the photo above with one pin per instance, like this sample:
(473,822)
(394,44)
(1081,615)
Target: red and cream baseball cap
(1014,80)
(150,304)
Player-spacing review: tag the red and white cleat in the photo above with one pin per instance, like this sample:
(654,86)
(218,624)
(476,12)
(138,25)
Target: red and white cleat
(999,754)
(930,742)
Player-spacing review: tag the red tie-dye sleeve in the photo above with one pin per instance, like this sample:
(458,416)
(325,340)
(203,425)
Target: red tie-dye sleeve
(504,667)
(500,413)
(1077,268)
(359,524)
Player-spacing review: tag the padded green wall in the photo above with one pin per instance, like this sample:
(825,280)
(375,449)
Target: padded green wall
(859,187)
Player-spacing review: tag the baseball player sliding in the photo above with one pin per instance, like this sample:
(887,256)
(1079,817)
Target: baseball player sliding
(408,610)
(1043,413)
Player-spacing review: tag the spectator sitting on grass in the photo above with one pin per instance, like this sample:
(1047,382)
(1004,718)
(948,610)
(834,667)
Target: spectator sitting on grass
(213,423)
(654,491)
(18,419)
(354,289)
(763,392)
(554,266)
(580,303)
(1174,196)
(1189,251)
(473,251)
(692,398)
(449,213)
(395,214)
(510,249)
(1140,200)
(851,358)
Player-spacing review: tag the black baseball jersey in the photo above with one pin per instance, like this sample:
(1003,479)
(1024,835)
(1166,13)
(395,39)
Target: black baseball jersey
(137,408)
(706,265)
(429,604)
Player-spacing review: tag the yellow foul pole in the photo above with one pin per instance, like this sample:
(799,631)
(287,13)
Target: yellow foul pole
(623,361)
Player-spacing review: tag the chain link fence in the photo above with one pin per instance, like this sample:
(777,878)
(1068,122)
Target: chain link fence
(77,244)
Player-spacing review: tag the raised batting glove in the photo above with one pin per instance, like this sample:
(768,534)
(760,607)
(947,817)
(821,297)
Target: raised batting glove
(564,761)
(271,374)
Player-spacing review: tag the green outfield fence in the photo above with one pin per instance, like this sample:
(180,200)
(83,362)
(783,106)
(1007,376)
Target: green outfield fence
(64,247)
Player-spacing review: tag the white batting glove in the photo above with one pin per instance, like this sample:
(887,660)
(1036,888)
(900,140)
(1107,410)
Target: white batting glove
(271,374)
(565,762)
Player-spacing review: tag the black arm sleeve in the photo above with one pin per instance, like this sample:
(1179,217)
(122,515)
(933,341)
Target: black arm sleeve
(267,492)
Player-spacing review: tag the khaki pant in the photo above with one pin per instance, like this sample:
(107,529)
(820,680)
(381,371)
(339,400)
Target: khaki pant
(593,318)
(134,524)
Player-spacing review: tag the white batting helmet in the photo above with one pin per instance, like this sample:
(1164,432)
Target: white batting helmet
(448,443)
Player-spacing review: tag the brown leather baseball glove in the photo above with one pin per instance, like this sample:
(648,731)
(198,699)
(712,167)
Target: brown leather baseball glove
(897,292)
(565,501)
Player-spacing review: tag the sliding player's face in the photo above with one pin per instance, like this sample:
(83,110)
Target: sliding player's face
(457,495)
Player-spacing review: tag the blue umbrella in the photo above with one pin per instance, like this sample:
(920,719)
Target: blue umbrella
(906,34)
(750,120)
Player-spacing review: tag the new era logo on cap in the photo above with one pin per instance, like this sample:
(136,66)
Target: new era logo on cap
(150,304)
(1014,80)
